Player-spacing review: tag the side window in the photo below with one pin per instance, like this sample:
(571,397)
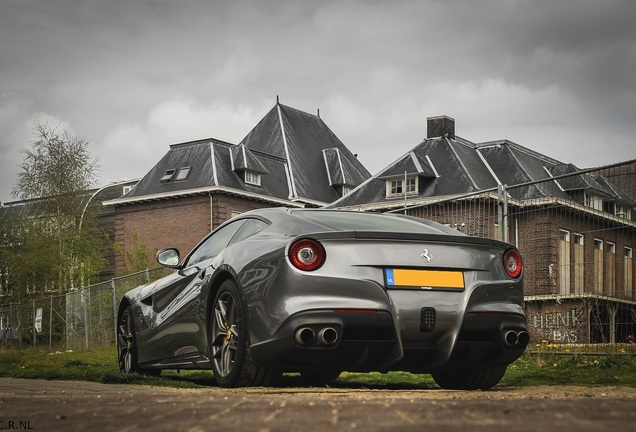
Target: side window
(249,228)
(215,243)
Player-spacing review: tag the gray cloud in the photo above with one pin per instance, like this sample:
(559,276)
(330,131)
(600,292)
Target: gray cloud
(137,76)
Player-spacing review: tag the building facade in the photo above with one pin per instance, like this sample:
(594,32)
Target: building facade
(290,158)
(576,228)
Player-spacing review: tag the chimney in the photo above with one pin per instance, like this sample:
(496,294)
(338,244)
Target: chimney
(440,126)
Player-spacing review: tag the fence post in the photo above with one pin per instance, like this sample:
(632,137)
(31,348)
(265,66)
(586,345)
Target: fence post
(112,283)
(85,315)
(500,211)
(33,323)
(506,236)
(19,324)
(51,324)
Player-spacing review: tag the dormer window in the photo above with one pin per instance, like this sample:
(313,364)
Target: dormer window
(252,178)
(183,173)
(167,177)
(398,187)
(176,175)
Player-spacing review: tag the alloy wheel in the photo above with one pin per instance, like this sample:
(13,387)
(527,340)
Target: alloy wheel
(225,334)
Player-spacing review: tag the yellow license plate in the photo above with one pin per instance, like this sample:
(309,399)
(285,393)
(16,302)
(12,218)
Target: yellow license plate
(424,279)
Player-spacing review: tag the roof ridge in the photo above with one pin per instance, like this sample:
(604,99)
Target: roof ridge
(519,147)
(461,162)
(201,141)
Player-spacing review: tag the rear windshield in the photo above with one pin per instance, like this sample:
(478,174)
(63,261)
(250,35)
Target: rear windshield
(359,221)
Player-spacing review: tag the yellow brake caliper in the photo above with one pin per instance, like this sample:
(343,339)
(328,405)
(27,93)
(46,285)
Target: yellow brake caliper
(228,335)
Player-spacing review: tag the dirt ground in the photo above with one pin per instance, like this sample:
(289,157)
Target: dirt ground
(70,406)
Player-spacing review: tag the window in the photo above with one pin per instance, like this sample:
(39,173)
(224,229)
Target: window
(397,187)
(182,174)
(598,265)
(167,177)
(563,269)
(231,233)
(252,178)
(594,201)
(127,189)
(214,244)
(624,212)
(249,228)
(361,221)
(628,272)
(579,263)
(610,268)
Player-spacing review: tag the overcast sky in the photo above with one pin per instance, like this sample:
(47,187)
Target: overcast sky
(135,76)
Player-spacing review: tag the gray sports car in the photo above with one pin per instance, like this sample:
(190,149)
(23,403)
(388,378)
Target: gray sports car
(319,292)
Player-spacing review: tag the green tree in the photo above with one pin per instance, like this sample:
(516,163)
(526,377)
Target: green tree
(137,258)
(61,247)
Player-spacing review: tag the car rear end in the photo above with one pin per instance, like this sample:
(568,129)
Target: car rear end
(416,298)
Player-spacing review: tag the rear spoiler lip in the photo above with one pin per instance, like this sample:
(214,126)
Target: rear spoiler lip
(403,236)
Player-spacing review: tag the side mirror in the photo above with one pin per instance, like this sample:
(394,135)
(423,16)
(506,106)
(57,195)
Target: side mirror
(169,258)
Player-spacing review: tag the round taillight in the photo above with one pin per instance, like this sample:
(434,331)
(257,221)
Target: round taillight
(512,263)
(307,254)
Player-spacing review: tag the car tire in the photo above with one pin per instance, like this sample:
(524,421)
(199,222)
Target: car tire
(470,379)
(229,342)
(127,350)
(126,343)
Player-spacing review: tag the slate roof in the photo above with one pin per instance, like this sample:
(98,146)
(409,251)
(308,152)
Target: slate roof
(299,158)
(452,166)
(447,167)
(301,139)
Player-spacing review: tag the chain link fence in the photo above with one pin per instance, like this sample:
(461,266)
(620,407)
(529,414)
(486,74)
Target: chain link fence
(77,320)
(576,231)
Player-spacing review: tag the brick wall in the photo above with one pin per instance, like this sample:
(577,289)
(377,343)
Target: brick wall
(179,222)
(224,206)
(565,322)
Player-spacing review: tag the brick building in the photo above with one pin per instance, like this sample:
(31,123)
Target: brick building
(575,228)
(290,158)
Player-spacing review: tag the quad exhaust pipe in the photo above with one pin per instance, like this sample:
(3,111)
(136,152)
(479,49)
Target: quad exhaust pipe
(328,336)
(516,339)
(306,336)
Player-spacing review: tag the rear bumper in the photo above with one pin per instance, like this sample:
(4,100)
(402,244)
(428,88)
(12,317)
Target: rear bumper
(481,342)
(365,341)
(368,341)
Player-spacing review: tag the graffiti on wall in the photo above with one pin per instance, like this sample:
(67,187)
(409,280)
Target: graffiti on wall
(562,325)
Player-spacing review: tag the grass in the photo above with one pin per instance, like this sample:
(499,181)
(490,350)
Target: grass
(100,365)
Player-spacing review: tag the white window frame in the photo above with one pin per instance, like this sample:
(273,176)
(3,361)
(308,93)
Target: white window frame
(628,271)
(411,187)
(599,265)
(578,261)
(594,201)
(564,262)
(610,267)
(252,178)
(168,176)
(183,173)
